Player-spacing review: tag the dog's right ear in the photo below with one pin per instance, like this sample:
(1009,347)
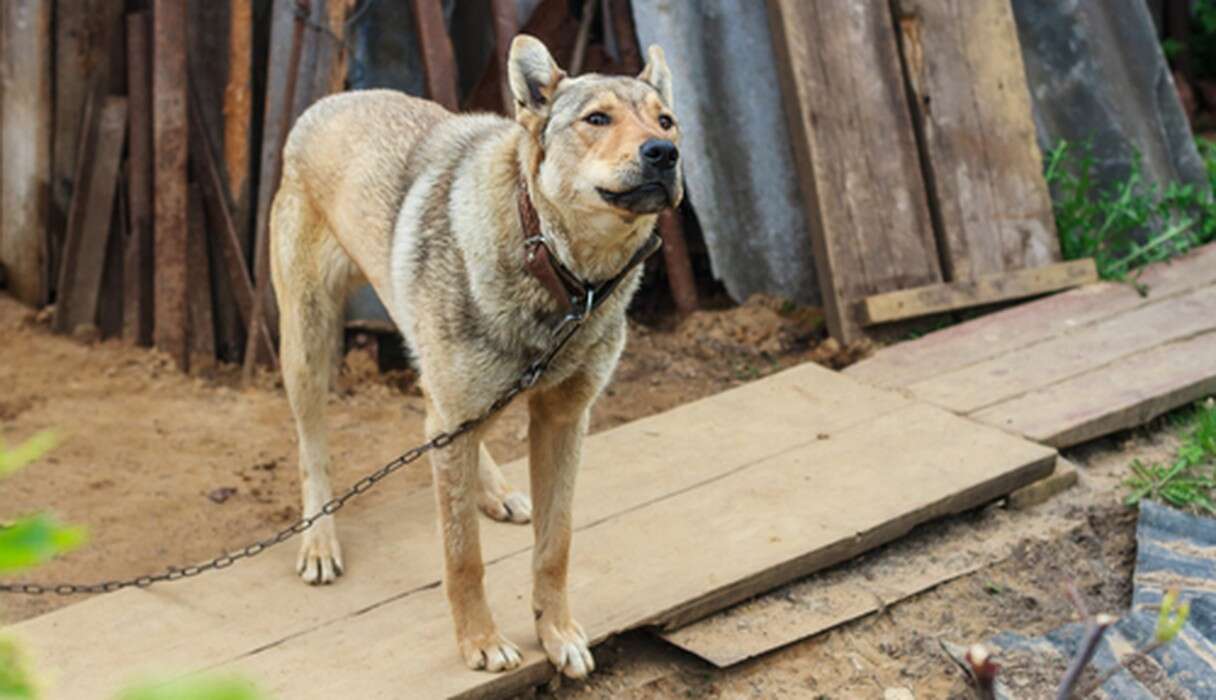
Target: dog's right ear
(534,76)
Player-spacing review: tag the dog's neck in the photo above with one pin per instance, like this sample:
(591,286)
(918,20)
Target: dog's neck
(592,248)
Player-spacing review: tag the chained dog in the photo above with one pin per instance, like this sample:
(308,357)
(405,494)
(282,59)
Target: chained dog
(480,234)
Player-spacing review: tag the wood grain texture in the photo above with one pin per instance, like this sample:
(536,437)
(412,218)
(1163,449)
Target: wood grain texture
(1028,324)
(964,66)
(1113,397)
(91,219)
(977,291)
(198,279)
(856,153)
(438,58)
(137,268)
(25,147)
(640,556)
(170,143)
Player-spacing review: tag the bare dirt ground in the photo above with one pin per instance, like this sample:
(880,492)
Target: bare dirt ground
(164,468)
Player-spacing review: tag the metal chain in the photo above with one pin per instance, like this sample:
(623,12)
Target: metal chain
(563,333)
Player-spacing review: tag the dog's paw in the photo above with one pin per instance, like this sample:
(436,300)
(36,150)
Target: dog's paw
(320,560)
(491,652)
(566,646)
(513,507)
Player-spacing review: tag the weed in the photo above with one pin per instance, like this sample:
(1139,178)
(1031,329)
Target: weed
(1189,482)
(1103,223)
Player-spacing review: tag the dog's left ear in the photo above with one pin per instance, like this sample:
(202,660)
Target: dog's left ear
(533,75)
(657,73)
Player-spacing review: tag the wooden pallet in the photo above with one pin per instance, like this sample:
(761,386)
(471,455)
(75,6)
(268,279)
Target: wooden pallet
(677,515)
(1075,366)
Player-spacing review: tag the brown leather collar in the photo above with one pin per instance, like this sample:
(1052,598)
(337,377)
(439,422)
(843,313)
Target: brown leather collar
(563,285)
(576,297)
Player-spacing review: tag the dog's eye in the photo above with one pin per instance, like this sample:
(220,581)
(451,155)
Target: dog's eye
(598,119)
(665,122)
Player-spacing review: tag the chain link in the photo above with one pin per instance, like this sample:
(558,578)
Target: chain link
(564,332)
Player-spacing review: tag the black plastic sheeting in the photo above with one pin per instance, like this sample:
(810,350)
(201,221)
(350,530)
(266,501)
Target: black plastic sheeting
(1176,550)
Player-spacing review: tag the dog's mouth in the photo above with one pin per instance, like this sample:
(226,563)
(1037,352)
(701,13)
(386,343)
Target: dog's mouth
(647,198)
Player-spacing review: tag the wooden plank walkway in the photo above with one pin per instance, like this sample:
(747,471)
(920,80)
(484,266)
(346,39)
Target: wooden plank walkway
(1072,367)
(678,516)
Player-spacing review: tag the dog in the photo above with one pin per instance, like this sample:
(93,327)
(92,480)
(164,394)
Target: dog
(443,215)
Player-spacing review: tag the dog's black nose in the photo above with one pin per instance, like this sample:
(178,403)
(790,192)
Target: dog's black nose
(660,153)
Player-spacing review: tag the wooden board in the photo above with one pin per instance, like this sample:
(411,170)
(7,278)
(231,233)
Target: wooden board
(137,268)
(856,152)
(25,146)
(673,482)
(991,204)
(438,58)
(91,219)
(170,144)
(1072,367)
(926,558)
(198,287)
(977,291)
(1025,325)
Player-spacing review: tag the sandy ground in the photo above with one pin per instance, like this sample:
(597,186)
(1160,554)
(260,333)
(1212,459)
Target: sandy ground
(163,468)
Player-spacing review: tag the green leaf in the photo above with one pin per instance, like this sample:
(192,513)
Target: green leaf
(15,680)
(13,459)
(195,689)
(35,540)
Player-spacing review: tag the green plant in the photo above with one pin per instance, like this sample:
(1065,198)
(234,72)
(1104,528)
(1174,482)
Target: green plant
(1200,46)
(1189,481)
(1103,222)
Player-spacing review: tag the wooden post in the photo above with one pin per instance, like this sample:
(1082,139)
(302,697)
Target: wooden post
(202,321)
(170,143)
(238,118)
(438,58)
(286,38)
(506,25)
(137,268)
(25,147)
(90,217)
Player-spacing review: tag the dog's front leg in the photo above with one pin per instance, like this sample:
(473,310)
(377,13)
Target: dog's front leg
(456,488)
(557,424)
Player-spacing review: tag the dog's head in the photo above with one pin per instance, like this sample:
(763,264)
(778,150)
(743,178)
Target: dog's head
(609,144)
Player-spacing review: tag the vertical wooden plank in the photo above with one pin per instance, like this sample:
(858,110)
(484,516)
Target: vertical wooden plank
(238,119)
(92,210)
(202,322)
(856,153)
(169,143)
(110,300)
(83,33)
(506,25)
(137,267)
(438,58)
(25,146)
(286,44)
(964,69)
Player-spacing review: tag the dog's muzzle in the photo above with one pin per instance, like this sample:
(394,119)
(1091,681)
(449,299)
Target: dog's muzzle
(658,159)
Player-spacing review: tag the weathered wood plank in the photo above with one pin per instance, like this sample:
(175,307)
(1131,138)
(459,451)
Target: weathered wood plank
(1121,395)
(137,267)
(1061,358)
(505,19)
(678,558)
(91,219)
(969,93)
(1027,324)
(238,119)
(198,287)
(110,295)
(856,153)
(83,32)
(438,58)
(170,144)
(25,147)
(977,291)
(259,601)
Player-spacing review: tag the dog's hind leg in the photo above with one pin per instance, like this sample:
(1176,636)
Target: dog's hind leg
(311,275)
(496,498)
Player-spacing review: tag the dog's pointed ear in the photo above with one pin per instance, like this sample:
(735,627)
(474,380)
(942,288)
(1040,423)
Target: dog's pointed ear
(657,73)
(533,75)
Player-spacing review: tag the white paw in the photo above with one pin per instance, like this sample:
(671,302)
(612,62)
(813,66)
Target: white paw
(567,648)
(514,507)
(320,560)
(491,652)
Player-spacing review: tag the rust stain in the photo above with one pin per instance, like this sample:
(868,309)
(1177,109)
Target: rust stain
(914,50)
(237,96)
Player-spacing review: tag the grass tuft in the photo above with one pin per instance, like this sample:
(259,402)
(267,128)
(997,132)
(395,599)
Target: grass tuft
(1189,482)
(1102,223)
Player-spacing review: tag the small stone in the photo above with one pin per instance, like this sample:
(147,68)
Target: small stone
(222,494)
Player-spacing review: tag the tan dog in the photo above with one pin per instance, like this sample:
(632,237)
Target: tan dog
(423,204)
